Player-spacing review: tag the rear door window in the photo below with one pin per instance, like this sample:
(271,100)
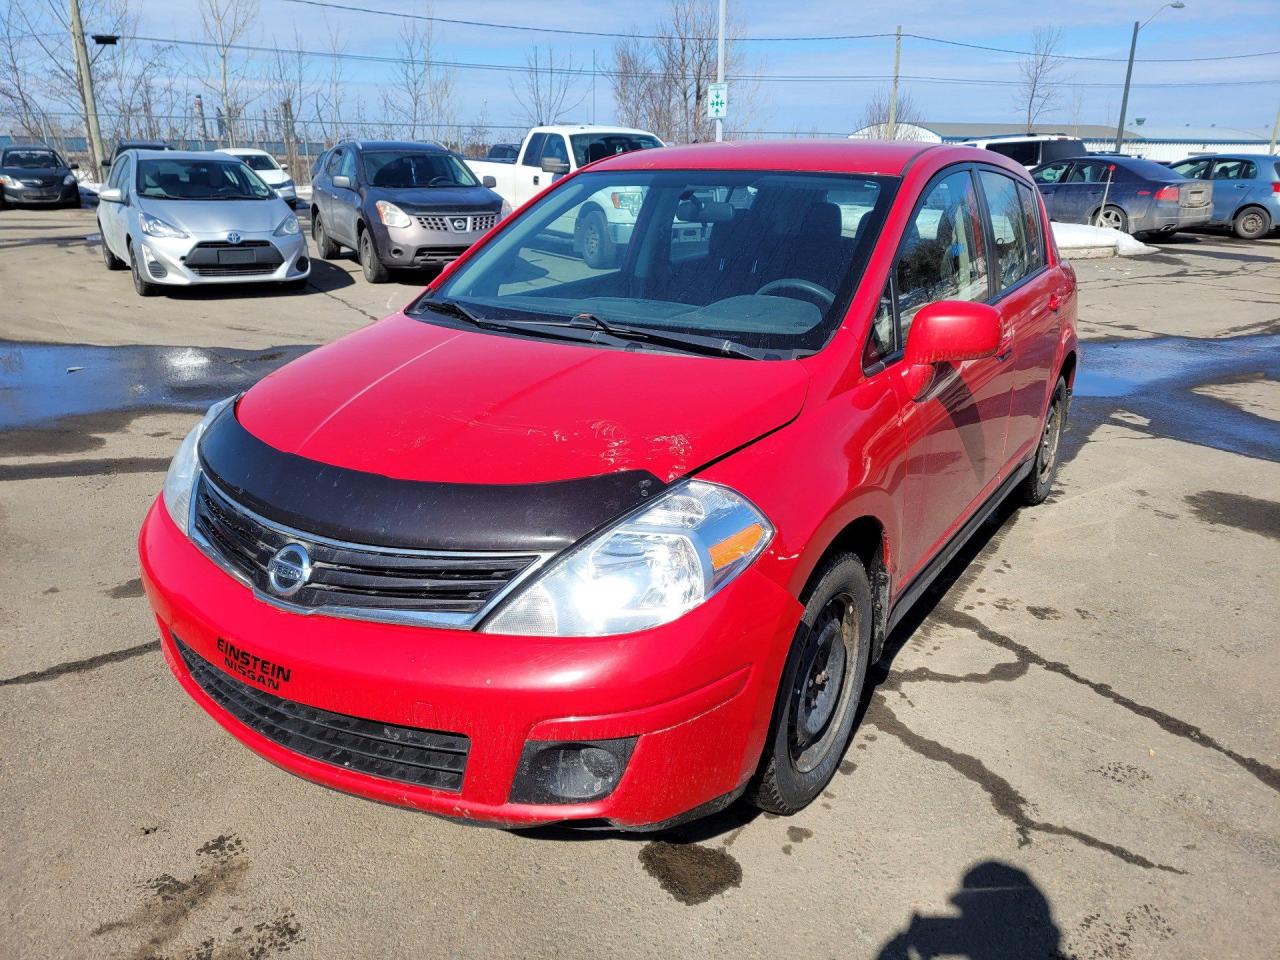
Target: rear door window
(1087,171)
(942,255)
(1235,170)
(1012,254)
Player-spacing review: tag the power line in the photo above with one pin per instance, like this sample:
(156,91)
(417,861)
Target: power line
(588,72)
(568,31)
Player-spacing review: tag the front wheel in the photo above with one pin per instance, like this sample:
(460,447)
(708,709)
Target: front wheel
(821,686)
(598,250)
(143,287)
(1251,223)
(1113,217)
(1044,469)
(375,271)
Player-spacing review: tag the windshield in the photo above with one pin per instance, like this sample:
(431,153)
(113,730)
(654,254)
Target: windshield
(589,147)
(256,161)
(199,180)
(387,168)
(765,260)
(31,159)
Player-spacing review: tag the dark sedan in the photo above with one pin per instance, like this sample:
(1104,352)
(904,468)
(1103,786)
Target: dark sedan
(1124,193)
(37,175)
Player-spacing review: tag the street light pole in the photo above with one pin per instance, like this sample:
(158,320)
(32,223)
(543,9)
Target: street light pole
(87,99)
(720,68)
(1128,73)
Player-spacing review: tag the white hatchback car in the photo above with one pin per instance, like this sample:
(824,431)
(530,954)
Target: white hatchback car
(273,174)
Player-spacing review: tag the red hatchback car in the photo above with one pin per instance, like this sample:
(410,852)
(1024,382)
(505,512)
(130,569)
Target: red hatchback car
(616,544)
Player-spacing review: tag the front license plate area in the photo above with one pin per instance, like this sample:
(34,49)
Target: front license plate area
(235,256)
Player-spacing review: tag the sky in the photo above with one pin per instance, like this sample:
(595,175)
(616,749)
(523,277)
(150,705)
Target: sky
(1205,28)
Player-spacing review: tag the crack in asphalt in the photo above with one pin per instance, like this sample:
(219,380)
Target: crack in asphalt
(81,666)
(337,299)
(1004,797)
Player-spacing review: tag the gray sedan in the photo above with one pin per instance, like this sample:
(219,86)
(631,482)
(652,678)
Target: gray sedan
(1124,193)
(178,219)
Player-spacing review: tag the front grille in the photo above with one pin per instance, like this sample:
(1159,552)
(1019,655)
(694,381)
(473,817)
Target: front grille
(227,245)
(424,758)
(234,270)
(221,258)
(437,256)
(457,222)
(441,588)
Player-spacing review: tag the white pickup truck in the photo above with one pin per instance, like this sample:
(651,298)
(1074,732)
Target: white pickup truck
(600,226)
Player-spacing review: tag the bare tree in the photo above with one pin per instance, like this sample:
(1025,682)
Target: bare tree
(290,80)
(330,99)
(20,102)
(875,116)
(225,24)
(1039,71)
(547,91)
(419,99)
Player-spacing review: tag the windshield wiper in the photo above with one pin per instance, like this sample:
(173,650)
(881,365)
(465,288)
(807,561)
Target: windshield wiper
(452,308)
(691,342)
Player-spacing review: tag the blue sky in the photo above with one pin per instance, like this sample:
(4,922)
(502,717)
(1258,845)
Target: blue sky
(1095,27)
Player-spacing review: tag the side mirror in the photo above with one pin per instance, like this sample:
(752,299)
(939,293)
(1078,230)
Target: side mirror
(111,195)
(489,182)
(949,331)
(284,166)
(555,166)
(341,182)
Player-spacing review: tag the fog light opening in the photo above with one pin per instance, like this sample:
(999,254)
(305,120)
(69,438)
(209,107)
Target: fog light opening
(570,772)
(301,264)
(397,252)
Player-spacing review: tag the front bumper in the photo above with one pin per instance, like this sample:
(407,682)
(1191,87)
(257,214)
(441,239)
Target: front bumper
(60,193)
(188,261)
(697,693)
(421,245)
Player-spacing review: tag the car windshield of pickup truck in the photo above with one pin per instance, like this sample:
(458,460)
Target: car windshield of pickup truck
(397,169)
(766,261)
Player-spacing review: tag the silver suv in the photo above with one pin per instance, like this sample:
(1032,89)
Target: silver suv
(398,204)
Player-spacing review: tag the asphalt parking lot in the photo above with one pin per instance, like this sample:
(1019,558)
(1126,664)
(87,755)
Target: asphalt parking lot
(1071,751)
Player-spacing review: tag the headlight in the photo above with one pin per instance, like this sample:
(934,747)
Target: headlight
(8,181)
(646,570)
(392,215)
(155,227)
(69,179)
(288,227)
(181,478)
(505,211)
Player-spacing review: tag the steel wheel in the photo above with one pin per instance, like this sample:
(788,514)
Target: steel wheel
(1049,442)
(1251,224)
(822,682)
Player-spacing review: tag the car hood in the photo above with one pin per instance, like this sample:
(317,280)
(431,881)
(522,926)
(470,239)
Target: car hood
(431,199)
(210,218)
(417,401)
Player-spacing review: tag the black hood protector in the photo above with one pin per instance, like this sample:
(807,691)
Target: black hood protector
(368,508)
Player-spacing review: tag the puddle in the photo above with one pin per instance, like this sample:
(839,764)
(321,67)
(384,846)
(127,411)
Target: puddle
(1156,379)
(42,383)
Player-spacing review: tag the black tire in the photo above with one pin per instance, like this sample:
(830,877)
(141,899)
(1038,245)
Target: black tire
(375,271)
(143,286)
(1251,223)
(109,259)
(598,251)
(1044,469)
(813,714)
(326,249)
(1111,216)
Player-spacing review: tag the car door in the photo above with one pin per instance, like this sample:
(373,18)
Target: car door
(1028,294)
(957,428)
(112,215)
(529,176)
(1047,179)
(345,202)
(1081,191)
(1233,179)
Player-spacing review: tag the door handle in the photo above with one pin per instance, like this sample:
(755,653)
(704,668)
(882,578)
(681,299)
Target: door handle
(1006,344)
(535,181)
(1055,302)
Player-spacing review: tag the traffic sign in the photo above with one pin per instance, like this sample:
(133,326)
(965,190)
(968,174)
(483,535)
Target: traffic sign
(717,101)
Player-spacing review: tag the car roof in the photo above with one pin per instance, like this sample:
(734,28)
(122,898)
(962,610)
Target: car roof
(1262,157)
(145,154)
(238,150)
(808,156)
(428,145)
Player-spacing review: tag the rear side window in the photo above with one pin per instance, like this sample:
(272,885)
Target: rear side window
(1035,230)
(942,255)
(1235,170)
(1193,169)
(1051,150)
(1092,172)
(1025,152)
(533,152)
(1013,254)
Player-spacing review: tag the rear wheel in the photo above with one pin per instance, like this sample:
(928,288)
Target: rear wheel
(1035,488)
(143,286)
(821,686)
(326,249)
(111,261)
(1251,223)
(375,271)
(1113,217)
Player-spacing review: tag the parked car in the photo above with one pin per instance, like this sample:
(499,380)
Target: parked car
(1031,149)
(1246,190)
(398,205)
(273,174)
(599,229)
(128,144)
(562,545)
(178,219)
(37,175)
(1135,196)
(503,153)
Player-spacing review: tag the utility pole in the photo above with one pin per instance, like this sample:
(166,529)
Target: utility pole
(1128,75)
(720,67)
(87,100)
(891,128)
(1275,131)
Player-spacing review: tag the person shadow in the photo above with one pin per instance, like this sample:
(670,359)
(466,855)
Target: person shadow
(1002,915)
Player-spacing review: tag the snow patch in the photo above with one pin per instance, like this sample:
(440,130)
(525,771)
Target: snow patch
(1082,241)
